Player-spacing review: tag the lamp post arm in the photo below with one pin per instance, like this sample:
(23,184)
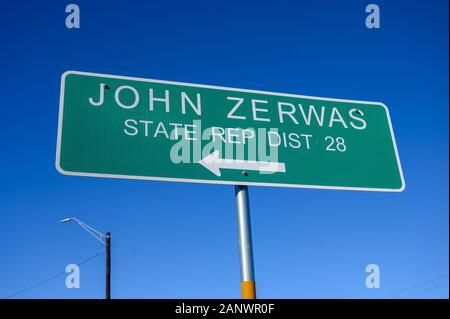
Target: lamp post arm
(95,233)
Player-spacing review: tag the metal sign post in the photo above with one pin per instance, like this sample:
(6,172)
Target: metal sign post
(245,243)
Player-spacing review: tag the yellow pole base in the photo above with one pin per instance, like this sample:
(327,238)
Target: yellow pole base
(248,290)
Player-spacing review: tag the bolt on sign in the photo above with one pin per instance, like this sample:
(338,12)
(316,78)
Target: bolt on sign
(123,127)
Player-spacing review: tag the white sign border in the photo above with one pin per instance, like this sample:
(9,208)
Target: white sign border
(170,179)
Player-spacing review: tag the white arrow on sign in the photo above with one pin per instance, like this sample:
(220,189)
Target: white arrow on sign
(214,163)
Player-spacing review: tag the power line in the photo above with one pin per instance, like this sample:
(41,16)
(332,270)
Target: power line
(427,290)
(418,270)
(52,277)
(418,285)
(408,274)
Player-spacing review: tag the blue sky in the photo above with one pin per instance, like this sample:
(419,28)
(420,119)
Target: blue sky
(174,240)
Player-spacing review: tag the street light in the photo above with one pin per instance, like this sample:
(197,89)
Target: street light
(105,240)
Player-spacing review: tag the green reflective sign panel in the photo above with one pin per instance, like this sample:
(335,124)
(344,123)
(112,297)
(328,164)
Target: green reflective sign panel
(122,127)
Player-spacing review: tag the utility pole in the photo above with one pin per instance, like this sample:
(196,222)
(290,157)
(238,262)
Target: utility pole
(105,239)
(108,265)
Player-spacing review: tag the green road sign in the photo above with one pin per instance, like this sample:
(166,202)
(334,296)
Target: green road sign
(122,127)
